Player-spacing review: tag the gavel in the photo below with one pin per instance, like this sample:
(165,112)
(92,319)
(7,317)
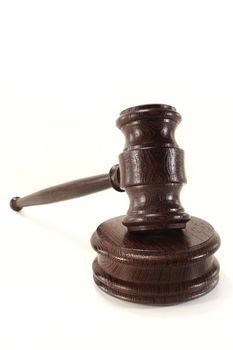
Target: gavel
(150,170)
(156,253)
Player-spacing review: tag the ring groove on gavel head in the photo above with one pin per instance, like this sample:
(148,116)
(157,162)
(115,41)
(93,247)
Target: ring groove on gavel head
(152,168)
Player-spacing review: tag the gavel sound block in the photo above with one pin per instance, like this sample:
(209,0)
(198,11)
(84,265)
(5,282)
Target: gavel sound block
(156,253)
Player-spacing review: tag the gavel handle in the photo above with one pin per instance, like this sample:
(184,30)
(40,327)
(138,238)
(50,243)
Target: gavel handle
(69,190)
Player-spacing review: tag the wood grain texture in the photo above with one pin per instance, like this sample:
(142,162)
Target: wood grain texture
(156,253)
(159,267)
(69,190)
(152,168)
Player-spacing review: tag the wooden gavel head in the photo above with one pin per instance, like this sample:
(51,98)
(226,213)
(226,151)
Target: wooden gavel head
(152,168)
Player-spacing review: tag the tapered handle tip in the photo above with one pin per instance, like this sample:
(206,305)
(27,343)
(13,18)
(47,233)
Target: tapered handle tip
(14,205)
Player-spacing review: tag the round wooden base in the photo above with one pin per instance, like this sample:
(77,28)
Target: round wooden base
(161,267)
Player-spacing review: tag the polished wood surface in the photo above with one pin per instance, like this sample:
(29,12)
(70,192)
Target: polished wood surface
(69,190)
(152,168)
(156,253)
(160,267)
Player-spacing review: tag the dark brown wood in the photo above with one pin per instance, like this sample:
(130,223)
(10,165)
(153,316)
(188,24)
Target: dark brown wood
(152,168)
(156,253)
(160,267)
(69,190)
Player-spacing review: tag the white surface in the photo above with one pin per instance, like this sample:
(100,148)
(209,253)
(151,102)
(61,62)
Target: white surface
(67,68)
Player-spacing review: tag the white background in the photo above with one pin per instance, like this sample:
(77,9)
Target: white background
(67,68)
